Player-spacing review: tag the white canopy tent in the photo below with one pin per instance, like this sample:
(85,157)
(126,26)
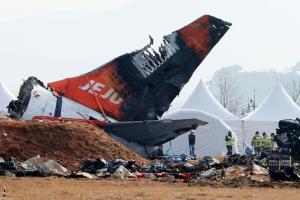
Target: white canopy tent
(276,106)
(202,99)
(5,97)
(210,139)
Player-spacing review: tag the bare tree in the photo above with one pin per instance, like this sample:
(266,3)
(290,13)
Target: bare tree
(293,88)
(225,87)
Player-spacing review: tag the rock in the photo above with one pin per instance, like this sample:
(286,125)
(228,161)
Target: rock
(258,170)
(122,173)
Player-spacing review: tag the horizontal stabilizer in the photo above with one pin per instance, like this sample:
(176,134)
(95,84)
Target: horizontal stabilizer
(152,132)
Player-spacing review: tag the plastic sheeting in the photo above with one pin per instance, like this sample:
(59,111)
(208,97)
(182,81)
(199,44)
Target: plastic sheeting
(35,163)
(56,168)
(210,139)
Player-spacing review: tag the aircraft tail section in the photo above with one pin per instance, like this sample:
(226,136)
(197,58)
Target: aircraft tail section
(141,85)
(98,89)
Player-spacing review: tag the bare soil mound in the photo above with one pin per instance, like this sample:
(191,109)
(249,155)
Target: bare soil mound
(69,143)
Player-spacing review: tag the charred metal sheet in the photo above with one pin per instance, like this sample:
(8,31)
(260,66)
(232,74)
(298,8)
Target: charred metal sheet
(287,137)
(142,84)
(283,161)
(17,108)
(152,132)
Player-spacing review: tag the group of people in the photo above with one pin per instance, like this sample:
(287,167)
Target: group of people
(263,142)
(259,142)
(229,141)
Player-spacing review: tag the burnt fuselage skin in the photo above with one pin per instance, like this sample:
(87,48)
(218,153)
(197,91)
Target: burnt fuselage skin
(142,84)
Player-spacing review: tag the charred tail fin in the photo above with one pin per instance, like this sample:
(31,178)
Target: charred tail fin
(142,84)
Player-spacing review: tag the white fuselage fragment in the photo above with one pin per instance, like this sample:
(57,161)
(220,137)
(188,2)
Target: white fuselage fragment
(43,103)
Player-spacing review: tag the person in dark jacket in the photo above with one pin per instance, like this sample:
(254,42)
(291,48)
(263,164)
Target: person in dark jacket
(192,141)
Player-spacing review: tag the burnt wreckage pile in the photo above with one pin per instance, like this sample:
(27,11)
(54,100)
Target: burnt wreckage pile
(288,137)
(283,163)
(206,172)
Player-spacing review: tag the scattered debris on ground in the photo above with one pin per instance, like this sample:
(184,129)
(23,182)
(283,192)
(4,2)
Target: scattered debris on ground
(79,150)
(215,174)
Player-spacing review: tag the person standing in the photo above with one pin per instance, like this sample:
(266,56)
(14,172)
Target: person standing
(257,142)
(229,141)
(192,141)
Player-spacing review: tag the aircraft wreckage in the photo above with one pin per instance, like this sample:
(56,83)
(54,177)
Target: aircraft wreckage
(130,92)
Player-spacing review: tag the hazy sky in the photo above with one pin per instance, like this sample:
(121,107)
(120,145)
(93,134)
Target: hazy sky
(55,39)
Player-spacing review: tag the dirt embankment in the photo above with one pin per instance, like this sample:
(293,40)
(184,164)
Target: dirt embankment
(69,143)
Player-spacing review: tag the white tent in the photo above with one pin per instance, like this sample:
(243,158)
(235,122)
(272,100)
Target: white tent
(210,139)
(276,106)
(5,97)
(202,99)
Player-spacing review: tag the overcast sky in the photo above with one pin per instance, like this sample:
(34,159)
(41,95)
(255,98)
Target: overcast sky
(55,39)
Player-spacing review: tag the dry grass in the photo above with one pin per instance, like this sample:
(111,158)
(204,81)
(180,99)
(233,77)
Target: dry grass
(61,188)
